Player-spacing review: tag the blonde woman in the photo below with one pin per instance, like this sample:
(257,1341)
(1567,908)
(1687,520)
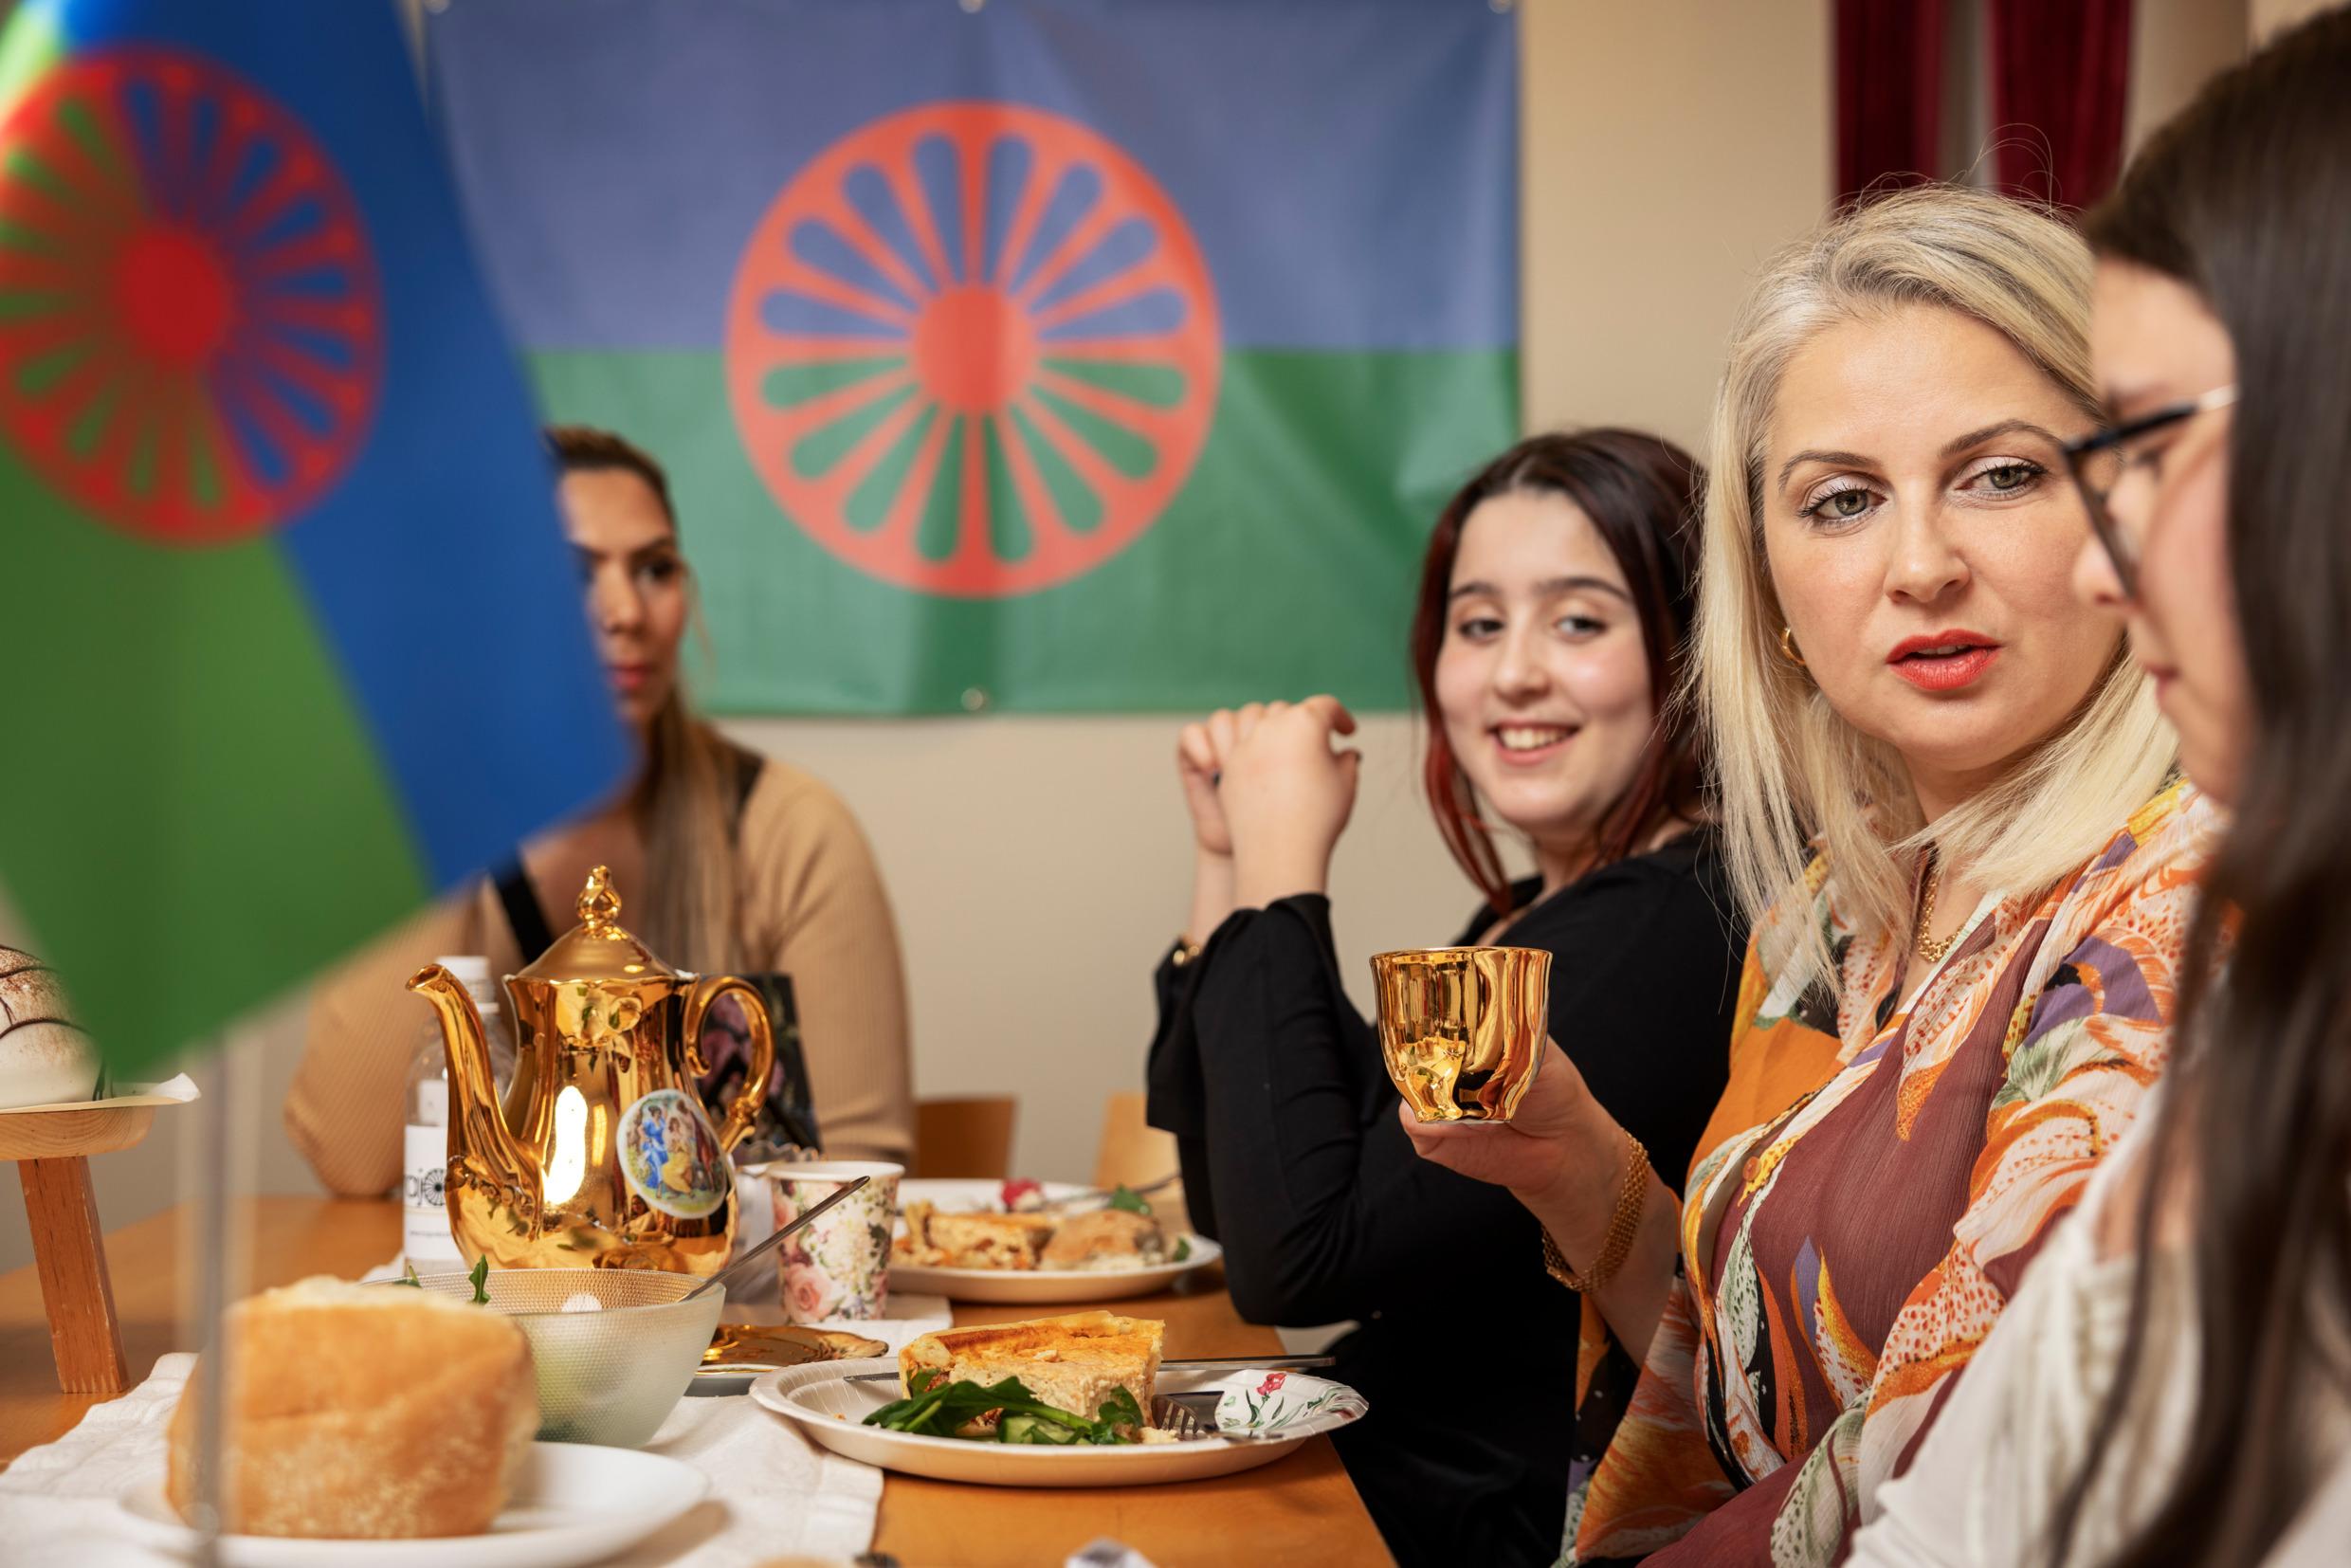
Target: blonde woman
(726,861)
(1948,801)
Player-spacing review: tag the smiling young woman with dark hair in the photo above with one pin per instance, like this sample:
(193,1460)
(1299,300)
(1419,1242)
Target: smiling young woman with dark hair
(1622,482)
(1554,602)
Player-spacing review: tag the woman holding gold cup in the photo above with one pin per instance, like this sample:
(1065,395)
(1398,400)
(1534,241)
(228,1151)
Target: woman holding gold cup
(1952,806)
(1554,603)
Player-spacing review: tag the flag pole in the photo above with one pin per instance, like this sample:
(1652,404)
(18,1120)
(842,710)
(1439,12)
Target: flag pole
(217,1075)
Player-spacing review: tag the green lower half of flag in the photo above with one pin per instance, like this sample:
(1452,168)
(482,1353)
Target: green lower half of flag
(1285,564)
(193,813)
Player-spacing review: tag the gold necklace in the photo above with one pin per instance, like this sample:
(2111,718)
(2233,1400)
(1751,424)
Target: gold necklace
(1933,952)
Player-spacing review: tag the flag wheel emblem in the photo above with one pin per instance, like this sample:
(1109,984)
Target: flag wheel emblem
(973,349)
(190,319)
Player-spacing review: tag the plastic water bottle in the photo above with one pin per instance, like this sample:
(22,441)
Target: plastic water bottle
(424,1237)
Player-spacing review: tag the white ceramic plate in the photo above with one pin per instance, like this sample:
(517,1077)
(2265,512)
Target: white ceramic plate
(573,1504)
(822,1403)
(1035,1286)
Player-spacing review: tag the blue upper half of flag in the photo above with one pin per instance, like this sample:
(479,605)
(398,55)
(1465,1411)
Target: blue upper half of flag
(1349,166)
(435,565)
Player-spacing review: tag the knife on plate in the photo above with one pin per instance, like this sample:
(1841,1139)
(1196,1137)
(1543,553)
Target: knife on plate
(1209,1364)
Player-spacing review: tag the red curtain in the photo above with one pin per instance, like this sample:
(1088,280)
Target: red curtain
(2060,75)
(1888,92)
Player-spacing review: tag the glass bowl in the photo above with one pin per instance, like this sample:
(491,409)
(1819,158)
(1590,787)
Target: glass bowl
(607,1375)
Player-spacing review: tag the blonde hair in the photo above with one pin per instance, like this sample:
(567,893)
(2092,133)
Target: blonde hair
(1793,771)
(685,803)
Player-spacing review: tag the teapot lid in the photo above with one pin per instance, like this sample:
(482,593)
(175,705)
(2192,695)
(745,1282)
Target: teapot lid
(598,948)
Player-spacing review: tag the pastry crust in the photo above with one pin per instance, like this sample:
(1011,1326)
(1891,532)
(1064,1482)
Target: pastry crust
(1105,1239)
(365,1411)
(936,1240)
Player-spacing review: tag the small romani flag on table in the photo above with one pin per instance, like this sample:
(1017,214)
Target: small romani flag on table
(290,635)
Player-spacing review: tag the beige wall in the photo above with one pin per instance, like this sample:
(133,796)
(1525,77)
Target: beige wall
(1038,865)
(2175,46)
(2268,16)
(1670,146)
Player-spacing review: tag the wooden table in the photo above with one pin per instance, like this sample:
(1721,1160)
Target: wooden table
(1300,1509)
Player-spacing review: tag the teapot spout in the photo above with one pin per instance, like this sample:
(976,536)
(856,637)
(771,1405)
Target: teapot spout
(480,1143)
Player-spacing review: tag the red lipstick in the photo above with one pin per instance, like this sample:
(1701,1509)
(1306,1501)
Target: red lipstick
(1947,661)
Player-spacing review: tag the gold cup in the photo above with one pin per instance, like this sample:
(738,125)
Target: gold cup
(1462,1028)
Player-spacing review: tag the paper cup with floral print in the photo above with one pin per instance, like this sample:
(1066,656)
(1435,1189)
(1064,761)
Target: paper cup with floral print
(840,1266)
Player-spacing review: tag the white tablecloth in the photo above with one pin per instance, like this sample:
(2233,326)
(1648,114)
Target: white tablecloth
(773,1494)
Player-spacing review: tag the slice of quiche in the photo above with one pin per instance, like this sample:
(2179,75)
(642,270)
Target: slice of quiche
(1070,1362)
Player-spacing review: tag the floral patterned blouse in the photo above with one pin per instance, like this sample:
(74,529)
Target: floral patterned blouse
(1866,1199)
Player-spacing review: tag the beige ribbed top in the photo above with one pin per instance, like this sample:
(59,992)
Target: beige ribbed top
(813,908)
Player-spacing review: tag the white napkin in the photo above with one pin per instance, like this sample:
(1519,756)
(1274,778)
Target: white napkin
(57,1502)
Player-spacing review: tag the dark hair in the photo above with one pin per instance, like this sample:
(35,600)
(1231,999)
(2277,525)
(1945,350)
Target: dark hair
(2246,198)
(1641,492)
(583,448)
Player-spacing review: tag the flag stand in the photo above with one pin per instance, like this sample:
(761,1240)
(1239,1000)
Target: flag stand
(217,1072)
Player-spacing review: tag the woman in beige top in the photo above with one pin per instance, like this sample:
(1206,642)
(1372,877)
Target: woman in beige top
(728,863)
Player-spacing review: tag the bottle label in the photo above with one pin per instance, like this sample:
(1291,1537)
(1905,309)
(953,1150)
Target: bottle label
(425,1216)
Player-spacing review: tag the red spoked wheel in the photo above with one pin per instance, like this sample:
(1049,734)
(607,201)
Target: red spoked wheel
(190,318)
(972,350)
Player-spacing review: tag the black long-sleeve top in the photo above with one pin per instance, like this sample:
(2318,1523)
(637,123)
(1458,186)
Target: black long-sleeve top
(1293,1160)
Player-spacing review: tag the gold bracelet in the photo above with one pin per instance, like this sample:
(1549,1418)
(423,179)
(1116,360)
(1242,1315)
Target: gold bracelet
(1622,1226)
(1186,950)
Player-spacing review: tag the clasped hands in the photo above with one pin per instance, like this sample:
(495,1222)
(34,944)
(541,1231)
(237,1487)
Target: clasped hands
(1269,792)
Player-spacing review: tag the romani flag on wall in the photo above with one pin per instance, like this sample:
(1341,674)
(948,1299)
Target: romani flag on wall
(290,634)
(1059,355)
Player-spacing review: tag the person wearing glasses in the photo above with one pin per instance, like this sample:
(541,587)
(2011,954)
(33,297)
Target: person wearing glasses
(2172,1384)
(1949,801)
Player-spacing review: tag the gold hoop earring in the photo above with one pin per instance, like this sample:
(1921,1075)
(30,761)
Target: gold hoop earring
(1787,648)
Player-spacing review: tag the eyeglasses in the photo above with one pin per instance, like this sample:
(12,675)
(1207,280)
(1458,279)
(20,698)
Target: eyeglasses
(2100,462)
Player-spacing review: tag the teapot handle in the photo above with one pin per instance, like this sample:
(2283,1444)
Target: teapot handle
(745,1112)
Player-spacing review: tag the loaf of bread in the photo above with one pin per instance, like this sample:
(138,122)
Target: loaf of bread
(368,1411)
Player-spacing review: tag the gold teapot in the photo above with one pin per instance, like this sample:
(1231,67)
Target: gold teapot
(602,1155)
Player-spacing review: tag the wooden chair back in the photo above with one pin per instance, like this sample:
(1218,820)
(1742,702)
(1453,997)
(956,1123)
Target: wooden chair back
(1131,1151)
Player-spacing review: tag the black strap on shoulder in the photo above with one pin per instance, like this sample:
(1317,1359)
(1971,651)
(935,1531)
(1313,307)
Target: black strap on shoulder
(748,766)
(523,915)
(520,899)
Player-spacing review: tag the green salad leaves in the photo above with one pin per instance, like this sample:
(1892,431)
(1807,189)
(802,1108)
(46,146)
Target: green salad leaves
(1127,1199)
(480,1277)
(939,1409)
